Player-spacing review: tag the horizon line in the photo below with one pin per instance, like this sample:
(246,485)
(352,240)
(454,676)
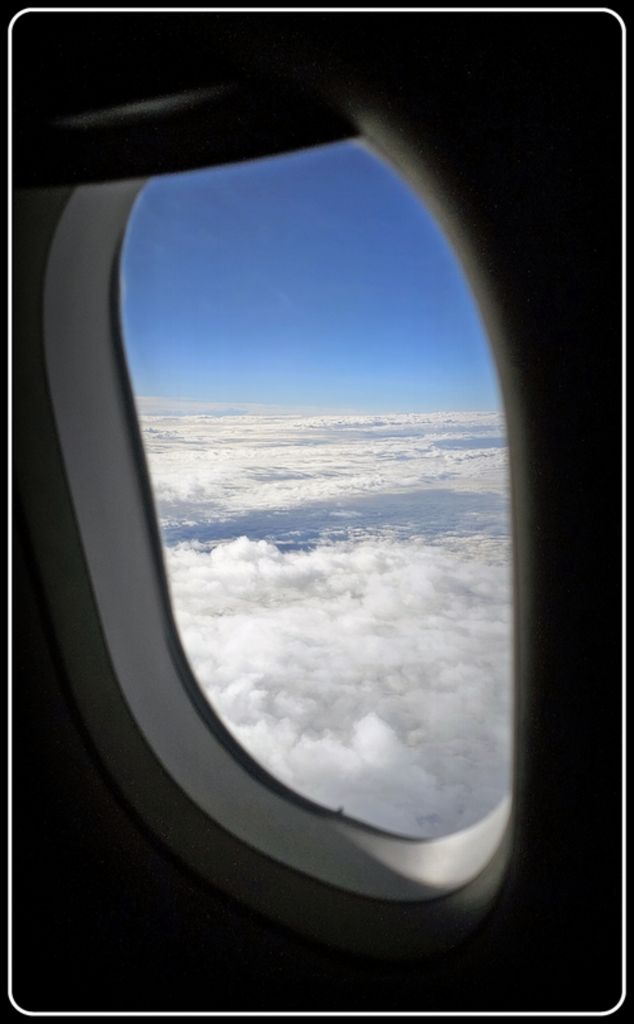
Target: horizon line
(157,404)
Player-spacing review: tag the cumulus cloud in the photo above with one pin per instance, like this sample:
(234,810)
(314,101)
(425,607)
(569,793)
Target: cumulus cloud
(356,636)
(372,676)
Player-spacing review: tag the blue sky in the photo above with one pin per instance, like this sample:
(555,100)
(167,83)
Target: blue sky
(312,280)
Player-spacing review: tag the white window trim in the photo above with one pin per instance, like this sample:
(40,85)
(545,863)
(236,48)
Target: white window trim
(102,468)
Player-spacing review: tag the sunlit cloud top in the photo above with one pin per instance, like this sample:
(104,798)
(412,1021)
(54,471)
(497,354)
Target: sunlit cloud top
(342,588)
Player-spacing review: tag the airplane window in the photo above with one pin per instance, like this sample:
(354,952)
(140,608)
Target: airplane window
(327,449)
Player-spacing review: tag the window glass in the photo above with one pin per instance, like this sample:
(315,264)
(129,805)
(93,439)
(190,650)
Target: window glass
(327,449)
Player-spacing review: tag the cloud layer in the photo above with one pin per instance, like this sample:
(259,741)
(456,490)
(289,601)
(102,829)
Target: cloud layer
(212,470)
(356,636)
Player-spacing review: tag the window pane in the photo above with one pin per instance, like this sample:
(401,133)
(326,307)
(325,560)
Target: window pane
(327,449)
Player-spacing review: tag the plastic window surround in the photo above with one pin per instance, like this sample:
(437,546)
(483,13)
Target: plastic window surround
(106,475)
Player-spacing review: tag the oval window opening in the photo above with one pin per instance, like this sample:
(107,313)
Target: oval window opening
(327,449)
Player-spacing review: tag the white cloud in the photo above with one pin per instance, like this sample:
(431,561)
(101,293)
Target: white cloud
(206,469)
(373,676)
(360,649)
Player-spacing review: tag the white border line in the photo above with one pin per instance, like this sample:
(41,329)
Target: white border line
(318,10)
(161,1014)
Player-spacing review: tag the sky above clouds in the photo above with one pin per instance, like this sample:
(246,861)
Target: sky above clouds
(322,426)
(310,280)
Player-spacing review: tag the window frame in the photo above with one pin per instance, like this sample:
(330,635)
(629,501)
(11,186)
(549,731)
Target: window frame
(373,868)
(556,327)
